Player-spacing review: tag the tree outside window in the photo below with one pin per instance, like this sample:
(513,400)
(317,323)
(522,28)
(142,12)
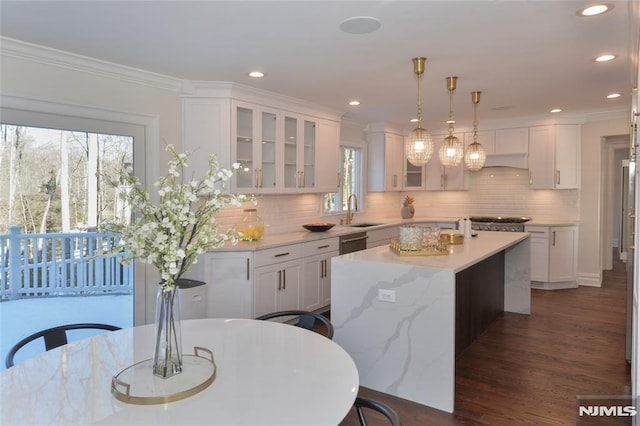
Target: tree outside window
(351,182)
(54,180)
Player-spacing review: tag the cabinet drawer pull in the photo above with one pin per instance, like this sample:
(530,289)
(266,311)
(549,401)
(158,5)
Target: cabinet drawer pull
(554,238)
(536,232)
(321,247)
(281,254)
(248,276)
(279,280)
(558,177)
(284,279)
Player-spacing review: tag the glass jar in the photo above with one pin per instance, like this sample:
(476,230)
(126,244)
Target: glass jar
(251,226)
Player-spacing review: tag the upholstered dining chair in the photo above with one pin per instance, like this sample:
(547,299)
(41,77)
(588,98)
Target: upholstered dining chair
(361,404)
(54,337)
(304,319)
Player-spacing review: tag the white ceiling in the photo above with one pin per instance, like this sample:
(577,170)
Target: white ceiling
(525,56)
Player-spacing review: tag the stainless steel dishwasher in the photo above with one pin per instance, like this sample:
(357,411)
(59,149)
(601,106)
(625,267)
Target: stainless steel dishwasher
(353,242)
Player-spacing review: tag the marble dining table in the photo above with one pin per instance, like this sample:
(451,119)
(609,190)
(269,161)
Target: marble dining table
(267,373)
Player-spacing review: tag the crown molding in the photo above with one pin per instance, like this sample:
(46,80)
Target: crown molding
(44,55)
(243,92)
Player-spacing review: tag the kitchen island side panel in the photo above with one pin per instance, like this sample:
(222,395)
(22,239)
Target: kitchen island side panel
(407,347)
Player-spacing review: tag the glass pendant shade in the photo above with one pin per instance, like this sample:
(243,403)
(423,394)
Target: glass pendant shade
(451,151)
(419,147)
(475,157)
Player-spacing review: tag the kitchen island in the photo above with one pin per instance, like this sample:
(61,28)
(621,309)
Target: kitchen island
(403,319)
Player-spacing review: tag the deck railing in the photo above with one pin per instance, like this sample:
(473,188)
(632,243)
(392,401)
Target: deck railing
(67,263)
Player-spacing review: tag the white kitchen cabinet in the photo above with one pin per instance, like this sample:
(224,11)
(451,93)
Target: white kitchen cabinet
(278,277)
(504,147)
(440,178)
(554,156)
(255,135)
(511,141)
(229,283)
(553,256)
(316,286)
(486,138)
(385,157)
(327,178)
(282,148)
(277,287)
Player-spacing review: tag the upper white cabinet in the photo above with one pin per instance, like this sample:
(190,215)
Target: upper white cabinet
(385,157)
(511,141)
(504,147)
(554,156)
(280,151)
(440,178)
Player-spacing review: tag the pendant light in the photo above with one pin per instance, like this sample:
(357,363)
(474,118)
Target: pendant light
(475,156)
(419,145)
(451,151)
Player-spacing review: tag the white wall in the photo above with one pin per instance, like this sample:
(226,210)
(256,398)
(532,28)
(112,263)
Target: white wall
(56,80)
(592,197)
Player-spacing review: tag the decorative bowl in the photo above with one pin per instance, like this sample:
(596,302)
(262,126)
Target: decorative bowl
(318,226)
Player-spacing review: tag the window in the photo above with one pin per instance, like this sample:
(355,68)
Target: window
(351,172)
(57,180)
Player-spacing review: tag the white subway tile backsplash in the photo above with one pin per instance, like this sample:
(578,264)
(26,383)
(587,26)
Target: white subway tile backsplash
(492,191)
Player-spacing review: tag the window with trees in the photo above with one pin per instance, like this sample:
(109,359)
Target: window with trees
(351,180)
(55,180)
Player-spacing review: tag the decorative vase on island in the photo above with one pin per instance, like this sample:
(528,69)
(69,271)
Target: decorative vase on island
(167,357)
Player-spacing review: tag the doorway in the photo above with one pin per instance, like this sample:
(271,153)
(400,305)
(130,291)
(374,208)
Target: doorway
(616,149)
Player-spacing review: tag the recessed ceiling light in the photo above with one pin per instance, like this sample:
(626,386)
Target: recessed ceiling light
(605,58)
(354,103)
(555,110)
(256,74)
(613,95)
(360,25)
(596,9)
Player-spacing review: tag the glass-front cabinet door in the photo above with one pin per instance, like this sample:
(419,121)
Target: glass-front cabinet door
(247,176)
(308,178)
(291,169)
(414,176)
(300,136)
(256,148)
(268,151)
(276,150)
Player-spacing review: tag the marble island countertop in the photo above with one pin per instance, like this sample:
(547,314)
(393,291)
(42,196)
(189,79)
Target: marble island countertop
(460,256)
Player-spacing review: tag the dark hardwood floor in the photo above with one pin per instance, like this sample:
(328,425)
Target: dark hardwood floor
(529,370)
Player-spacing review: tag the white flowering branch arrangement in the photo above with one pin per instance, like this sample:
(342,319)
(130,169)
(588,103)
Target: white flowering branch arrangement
(172,234)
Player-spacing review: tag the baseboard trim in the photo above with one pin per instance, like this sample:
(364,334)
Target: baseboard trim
(590,280)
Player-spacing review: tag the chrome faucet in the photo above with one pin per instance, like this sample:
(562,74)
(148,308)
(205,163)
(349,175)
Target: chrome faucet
(349,212)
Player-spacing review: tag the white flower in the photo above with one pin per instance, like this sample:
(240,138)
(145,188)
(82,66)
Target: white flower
(170,235)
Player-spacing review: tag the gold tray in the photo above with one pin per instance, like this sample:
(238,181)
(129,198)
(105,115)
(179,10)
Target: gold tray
(451,238)
(137,384)
(439,250)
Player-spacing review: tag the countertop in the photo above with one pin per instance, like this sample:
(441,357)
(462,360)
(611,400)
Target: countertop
(303,236)
(460,256)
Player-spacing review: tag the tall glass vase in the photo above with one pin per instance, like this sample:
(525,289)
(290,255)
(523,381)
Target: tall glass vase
(167,358)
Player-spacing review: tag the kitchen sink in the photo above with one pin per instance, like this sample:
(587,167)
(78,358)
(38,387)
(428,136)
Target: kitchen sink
(364,225)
